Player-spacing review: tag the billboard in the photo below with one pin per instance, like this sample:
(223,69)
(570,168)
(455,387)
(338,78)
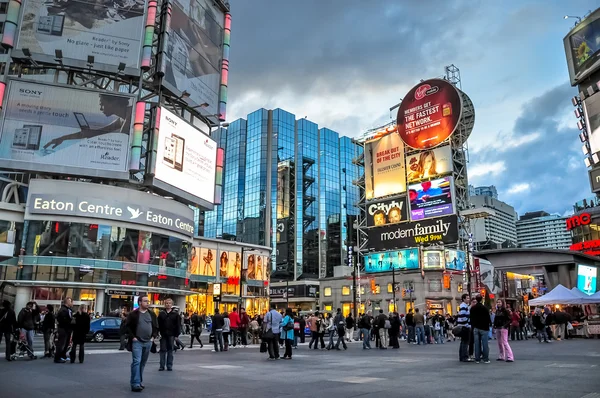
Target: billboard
(456,260)
(591,109)
(388,211)
(66,130)
(410,234)
(582,48)
(431,198)
(429,163)
(384,167)
(429,114)
(203,262)
(235,265)
(258,267)
(185,157)
(396,259)
(433,259)
(594,175)
(109,30)
(193,52)
(587,278)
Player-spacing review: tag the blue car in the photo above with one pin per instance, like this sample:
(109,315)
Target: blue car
(104,328)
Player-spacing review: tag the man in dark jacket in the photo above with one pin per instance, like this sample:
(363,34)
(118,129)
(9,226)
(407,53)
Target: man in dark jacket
(340,324)
(217,329)
(80,331)
(8,325)
(349,327)
(382,323)
(48,326)
(64,318)
(26,321)
(169,325)
(243,326)
(410,325)
(142,329)
(480,322)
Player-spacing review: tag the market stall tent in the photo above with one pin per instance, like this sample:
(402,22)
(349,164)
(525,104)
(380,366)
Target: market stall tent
(558,295)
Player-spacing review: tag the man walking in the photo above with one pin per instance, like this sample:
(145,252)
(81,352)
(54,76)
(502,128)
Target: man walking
(27,325)
(80,331)
(384,325)
(463,320)
(64,318)
(365,330)
(419,321)
(142,329)
(480,321)
(8,324)
(340,324)
(244,324)
(234,325)
(169,325)
(218,322)
(271,326)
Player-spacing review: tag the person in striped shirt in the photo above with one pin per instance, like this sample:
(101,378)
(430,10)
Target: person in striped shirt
(462,319)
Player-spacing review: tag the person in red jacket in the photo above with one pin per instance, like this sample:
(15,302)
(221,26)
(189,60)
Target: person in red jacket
(243,328)
(234,319)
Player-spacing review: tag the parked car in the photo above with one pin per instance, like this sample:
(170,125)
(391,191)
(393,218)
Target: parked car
(104,328)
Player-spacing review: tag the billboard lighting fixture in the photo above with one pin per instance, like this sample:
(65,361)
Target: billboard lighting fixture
(585,149)
(575,101)
(577,113)
(26,52)
(596,158)
(90,61)
(582,137)
(580,125)
(588,162)
(58,56)
(121,67)
(203,105)
(571,16)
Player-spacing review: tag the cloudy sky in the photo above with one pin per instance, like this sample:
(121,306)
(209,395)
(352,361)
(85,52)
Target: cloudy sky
(344,63)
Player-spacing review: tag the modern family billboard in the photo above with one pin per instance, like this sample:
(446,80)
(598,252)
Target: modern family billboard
(431,198)
(429,163)
(109,30)
(429,114)
(185,157)
(410,234)
(386,212)
(66,130)
(384,167)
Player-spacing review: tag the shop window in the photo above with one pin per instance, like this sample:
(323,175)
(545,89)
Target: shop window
(362,290)
(390,288)
(346,308)
(3,8)
(327,292)
(391,307)
(345,290)
(328,307)
(377,289)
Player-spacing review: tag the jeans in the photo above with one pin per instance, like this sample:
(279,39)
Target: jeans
(29,337)
(314,338)
(226,336)
(218,340)
(234,336)
(439,336)
(505,353)
(383,338)
(481,344)
(123,341)
(411,334)
(331,337)
(139,356)
(273,345)
(463,353)
(166,350)
(244,336)
(366,338)
(420,331)
(514,332)
(64,336)
(7,339)
(542,333)
(288,348)
(47,341)
(341,339)
(74,351)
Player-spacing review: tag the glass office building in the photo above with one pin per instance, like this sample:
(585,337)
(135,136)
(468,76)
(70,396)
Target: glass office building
(288,184)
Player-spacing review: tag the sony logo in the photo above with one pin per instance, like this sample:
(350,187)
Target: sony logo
(172,121)
(27,91)
(385,207)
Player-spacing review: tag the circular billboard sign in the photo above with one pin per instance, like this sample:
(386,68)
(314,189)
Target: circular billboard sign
(429,114)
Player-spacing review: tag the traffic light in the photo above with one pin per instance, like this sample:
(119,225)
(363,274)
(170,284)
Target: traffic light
(403,293)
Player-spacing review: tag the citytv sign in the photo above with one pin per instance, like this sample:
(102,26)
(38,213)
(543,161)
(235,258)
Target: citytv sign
(578,220)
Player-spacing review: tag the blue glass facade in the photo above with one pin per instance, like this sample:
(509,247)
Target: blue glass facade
(288,185)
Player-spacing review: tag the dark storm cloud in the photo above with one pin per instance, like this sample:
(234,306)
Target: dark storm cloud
(552,165)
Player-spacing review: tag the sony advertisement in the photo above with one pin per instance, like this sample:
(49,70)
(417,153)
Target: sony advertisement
(431,198)
(109,30)
(591,108)
(384,167)
(582,48)
(429,164)
(66,130)
(193,52)
(587,278)
(429,114)
(397,259)
(386,212)
(185,157)
(456,260)
(410,234)
(433,259)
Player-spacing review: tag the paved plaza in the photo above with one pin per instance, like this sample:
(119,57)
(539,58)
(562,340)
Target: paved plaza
(561,369)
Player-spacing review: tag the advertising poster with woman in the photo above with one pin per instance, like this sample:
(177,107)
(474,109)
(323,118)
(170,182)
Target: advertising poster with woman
(194,265)
(223,264)
(429,163)
(234,266)
(144,245)
(251,267)
(208,262)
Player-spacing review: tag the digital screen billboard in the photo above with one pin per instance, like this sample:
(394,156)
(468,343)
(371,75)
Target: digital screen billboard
(456,260)
(410,234)
(429,163)
(397,259)
(66,130)
(384,167)
(388,211)
(591,109)
(109,30)
(587,278)
(193,52)
(582,47)
(433,259)
(185,157)
(429,114)
(431,198)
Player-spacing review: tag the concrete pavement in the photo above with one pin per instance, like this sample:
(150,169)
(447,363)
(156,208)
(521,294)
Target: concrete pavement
(561,369)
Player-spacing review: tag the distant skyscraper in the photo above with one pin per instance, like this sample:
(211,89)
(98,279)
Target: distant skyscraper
(489,191)
(496,231)
(543,230)
(288,184)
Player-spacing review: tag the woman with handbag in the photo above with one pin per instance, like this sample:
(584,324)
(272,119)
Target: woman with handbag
(287,332)
(502,323)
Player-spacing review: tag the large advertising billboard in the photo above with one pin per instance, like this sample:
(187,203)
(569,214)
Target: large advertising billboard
(258,267)
(384,167)
(587,278)
(456,260)
(386,212)
(66,130)
(429,163)
(433,259)
(203,262)
(185,157)
(591,109)
(109,30)
(192,58)
(410,234)
(431,198)
(396,259)
(582,47)
(429,114)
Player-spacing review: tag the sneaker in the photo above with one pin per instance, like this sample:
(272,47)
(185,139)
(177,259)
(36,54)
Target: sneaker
(476,361)
(486,361)
(509,360)
(470,360)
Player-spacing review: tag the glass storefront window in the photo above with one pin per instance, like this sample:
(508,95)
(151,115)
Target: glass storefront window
(345,290)
(327,292)
(346,309)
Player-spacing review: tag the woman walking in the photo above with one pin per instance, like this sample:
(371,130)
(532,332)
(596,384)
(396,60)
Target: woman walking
(502,323)
(226,331)
(196,331)
(287,332)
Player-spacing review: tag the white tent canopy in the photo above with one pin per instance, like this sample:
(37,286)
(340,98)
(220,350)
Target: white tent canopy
(562,295)
(579,293)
